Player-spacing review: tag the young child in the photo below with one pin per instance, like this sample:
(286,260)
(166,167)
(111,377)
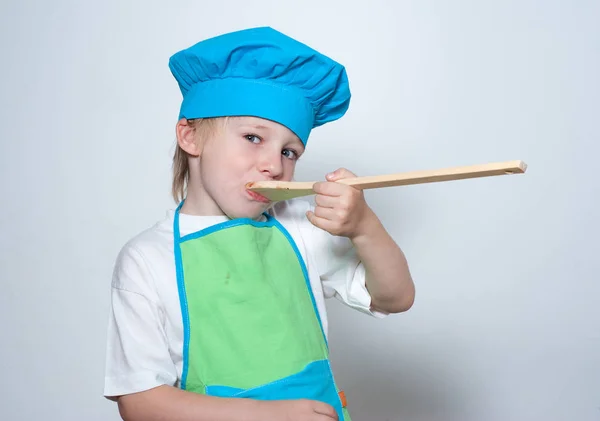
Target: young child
(218,310)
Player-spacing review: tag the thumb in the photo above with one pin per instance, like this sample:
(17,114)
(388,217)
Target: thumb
(339,174)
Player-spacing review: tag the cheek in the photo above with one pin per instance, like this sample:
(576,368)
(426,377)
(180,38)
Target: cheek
(227,168)
(289,167)
(214,168)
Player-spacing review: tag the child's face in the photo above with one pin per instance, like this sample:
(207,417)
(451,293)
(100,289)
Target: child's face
(246,149)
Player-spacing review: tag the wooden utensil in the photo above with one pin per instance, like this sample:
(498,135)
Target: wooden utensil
(283,190)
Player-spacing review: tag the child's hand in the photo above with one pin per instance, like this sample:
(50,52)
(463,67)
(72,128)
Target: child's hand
(297,410)
(340,209)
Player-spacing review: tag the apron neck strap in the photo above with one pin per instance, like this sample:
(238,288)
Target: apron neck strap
(176,232)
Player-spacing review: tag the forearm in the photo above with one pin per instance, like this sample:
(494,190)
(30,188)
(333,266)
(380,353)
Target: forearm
(166,403)
(388,278)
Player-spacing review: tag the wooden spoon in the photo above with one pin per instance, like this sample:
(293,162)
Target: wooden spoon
(283,190)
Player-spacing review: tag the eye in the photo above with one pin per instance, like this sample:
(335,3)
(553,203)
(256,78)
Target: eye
(289,153)
(252,138)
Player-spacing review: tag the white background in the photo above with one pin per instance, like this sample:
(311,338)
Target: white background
(506,325)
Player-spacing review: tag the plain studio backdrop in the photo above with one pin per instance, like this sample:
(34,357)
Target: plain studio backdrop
(506,324)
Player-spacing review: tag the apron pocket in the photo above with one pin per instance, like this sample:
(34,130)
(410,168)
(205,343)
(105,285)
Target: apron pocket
(314,382)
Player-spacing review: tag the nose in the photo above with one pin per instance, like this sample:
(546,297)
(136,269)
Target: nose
(270,164)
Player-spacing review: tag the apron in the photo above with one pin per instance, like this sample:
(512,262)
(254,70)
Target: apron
(250,321)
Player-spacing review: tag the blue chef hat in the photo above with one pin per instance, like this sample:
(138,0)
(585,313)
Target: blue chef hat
(263,73)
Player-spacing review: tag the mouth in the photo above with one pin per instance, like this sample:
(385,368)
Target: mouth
(257,196)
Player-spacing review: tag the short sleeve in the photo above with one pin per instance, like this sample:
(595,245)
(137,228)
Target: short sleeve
(341,271)
(137,353)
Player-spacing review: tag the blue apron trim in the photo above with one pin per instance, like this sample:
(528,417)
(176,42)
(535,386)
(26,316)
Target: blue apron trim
(314,382)
(305,272)
(182,295)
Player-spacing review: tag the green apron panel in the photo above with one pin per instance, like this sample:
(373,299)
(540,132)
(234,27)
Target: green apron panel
(247,298)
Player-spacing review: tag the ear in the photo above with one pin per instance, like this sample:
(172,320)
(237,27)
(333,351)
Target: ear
(187,139)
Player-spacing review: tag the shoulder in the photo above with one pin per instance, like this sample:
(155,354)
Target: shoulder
(142,256)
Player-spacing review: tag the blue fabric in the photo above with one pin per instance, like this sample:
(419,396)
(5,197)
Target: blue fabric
(263,73)
(315,382)
(182,294)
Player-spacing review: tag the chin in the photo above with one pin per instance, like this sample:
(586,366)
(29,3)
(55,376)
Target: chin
(252,212)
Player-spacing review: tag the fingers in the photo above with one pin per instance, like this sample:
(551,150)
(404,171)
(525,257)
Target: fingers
(339,207)
(325,409)
(343,202)
(331,214)
(329,188)
(326,201)
(320,222)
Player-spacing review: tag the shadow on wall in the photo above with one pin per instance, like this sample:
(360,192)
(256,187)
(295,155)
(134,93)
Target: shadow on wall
(385,380)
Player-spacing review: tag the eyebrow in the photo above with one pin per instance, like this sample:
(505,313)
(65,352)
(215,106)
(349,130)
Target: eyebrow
(259,126)
(254,126)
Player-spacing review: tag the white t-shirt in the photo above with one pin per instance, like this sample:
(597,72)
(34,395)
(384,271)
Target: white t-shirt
(145,329)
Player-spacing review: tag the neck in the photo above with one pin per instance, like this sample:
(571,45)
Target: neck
(194,205)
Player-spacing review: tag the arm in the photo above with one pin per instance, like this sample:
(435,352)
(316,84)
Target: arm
(167,403)
(388,278)
(341,210)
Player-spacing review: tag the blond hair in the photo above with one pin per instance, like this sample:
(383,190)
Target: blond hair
(203,128)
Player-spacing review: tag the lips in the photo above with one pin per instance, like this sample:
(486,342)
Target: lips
(258,197)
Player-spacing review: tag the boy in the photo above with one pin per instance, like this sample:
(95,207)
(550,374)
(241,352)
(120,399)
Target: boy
(218,310)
